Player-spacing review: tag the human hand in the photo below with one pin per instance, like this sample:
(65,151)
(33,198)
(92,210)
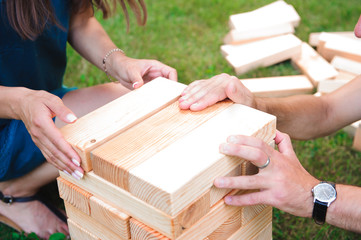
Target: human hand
(133,73)
(284,183)
(203,93)
(36,110)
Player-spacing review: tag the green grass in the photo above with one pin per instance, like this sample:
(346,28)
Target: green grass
(187,34)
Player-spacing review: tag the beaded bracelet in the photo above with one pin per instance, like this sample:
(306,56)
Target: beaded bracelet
(105,58)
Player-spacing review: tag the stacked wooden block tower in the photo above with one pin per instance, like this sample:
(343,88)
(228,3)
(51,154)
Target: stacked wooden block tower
(151,166)
(265,36)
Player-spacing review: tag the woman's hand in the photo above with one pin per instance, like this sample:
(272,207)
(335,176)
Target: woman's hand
(133,73)
(203,93)
(283,183)
(36,110)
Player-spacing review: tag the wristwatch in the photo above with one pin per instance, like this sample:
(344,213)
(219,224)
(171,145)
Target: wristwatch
(324,194)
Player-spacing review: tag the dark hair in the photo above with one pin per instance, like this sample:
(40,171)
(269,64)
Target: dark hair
(29,18)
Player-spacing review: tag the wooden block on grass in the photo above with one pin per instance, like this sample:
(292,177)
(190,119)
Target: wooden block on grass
(314,38)
(315,67)
(357,139)
(99,126)
(330,85)
(263,53)
(347,65)
(278,86)
(237,36)
(342,75)
(271,14)
(351,129)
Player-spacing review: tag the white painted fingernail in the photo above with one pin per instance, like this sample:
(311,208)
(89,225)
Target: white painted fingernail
(66,172)
(135,84)
(79,173)
(224,148)
(71,117)
(76,162)
(75,176)
(232,139)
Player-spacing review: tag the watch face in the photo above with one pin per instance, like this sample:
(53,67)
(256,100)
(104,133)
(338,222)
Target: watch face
(324,192)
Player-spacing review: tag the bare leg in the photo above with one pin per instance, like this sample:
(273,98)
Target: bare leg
(34,216)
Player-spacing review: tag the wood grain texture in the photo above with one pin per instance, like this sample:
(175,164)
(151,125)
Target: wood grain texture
(253,229)
(347,65)
(263,53)
(250,212)
(227,228)
(79,233)
(240,37)
(74,195)
(265,234)
(271,14)
(110,216)
(114,159)
(140,231)
(313,65)
(90,224)
(278,86)
(99,126)
(174,177)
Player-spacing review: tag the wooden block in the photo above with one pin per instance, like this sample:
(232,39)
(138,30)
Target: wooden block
(278,86)
(272,14)
(173,178)
(250,212)
(227,228)
(346,65)
(331,45)
(91,225)
(113,160)
(351,129)
(254,228)
(140,231)
(74,195)
(357,139)
(110,216)
(263,53)
(238,36)
(101,125)
(314,38)
(342,75)
(79,233)
(248,168)
(315,67)
(330,85)
(265,234)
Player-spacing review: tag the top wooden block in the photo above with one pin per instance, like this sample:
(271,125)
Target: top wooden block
(99,126)
(278,12)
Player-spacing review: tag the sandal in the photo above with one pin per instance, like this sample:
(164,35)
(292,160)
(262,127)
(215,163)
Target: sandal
(9,200)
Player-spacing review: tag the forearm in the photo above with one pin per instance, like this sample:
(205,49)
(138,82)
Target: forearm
(10,99)
(345,211)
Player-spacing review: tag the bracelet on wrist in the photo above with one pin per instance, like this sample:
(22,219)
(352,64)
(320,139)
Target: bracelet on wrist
(106,57)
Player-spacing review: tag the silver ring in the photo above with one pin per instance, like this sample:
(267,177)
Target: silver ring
(266,164)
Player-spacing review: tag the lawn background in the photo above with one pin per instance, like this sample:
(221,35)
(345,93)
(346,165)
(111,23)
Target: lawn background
(187,34)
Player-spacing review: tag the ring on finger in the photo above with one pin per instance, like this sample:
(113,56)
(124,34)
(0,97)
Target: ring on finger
(266,164)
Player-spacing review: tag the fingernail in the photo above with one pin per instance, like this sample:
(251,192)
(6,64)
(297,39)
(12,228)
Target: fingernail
(71,117)
(75,176)
(194,105)
(224,148)
(135,84)
(228,199)
(76,162)
(79,173)
(232,139)
(181,99)
(66,172)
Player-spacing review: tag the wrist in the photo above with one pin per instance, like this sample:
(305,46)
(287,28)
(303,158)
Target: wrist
(13,98)
(111,59)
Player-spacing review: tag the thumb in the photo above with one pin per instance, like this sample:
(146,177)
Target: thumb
(59,110)
(136,79)
(284,144)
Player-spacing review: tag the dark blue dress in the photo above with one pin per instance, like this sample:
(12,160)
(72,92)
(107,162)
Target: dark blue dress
(38,65)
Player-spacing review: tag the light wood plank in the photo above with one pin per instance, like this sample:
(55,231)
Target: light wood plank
(357,139)
(330,85)
(237,36)
(253,228)
(140,231)
(250,212)
(315,67)
(99,126)
(74,195)
(173,178)
(265,234)
(114,159)
(79,233)
(263,53)
(90,224)
(110,216)
(271,14)
(346,65)
(227,228)
(278,86)
(314,38)
(351,129)
(342,75)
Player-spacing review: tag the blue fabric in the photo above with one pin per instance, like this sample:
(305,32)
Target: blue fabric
(38,65)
